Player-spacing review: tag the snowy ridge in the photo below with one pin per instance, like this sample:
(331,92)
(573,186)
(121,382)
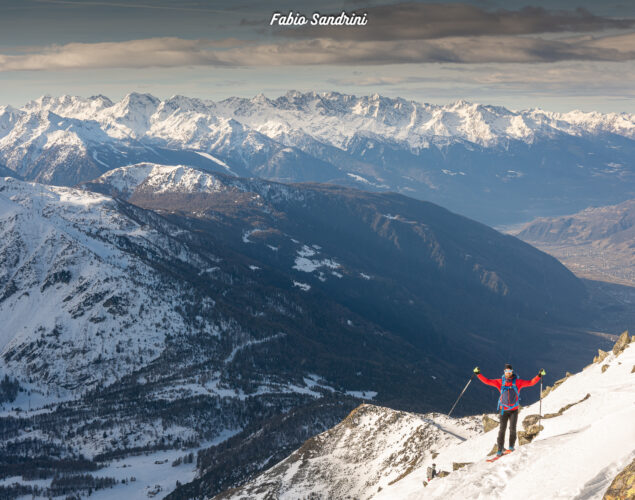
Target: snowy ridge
(370,450)
(587,438)
(161,178)
(181,179)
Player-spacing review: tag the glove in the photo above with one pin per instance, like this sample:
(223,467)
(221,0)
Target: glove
(542,373)
(476,371)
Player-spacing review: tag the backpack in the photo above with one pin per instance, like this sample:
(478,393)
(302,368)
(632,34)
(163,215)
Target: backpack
(509,396)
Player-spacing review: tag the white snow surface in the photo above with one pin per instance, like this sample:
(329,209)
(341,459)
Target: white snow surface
(379,453)
(305,287)
(305,264)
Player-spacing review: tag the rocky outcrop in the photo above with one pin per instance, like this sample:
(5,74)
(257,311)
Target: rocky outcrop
(600,357)
(458,465)
(621,343)
(530,420)
(623,486)
(526,436)
(489,423)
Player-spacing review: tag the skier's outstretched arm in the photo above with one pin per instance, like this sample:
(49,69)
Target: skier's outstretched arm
(488,381)
(528,383)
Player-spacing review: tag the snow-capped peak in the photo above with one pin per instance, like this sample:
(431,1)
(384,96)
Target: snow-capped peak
(160,179)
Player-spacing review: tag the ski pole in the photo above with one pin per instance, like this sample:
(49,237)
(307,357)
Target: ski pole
(540,417)
(457,400)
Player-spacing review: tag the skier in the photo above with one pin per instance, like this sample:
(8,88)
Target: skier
(509,387)
(432,472)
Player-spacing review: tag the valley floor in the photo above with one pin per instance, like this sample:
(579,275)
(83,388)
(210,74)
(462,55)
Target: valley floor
(592,263)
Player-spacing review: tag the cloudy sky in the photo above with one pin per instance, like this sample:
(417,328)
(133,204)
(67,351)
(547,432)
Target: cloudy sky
(557,54)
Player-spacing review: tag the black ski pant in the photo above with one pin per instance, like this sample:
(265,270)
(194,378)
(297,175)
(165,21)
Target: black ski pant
(512,416)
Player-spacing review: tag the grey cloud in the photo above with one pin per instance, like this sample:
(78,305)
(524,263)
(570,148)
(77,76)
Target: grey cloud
(175,52)
(419,21)
(150,52)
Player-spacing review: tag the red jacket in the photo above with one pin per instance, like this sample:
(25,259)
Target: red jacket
(498,383)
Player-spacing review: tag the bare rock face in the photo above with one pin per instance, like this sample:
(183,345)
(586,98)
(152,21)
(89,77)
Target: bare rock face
(530,420)
(600,357)
(458,465)
(523,439)
(604,368)
(621,343)
(527,436)
(489,423)
(623,486)
(534,430)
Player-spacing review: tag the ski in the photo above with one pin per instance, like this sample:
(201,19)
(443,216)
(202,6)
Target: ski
(496,457)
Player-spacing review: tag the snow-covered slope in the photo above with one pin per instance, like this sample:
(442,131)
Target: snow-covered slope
(78,302)
(587,438)
(370,450)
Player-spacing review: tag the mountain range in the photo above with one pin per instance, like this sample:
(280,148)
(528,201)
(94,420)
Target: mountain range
(495,165)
